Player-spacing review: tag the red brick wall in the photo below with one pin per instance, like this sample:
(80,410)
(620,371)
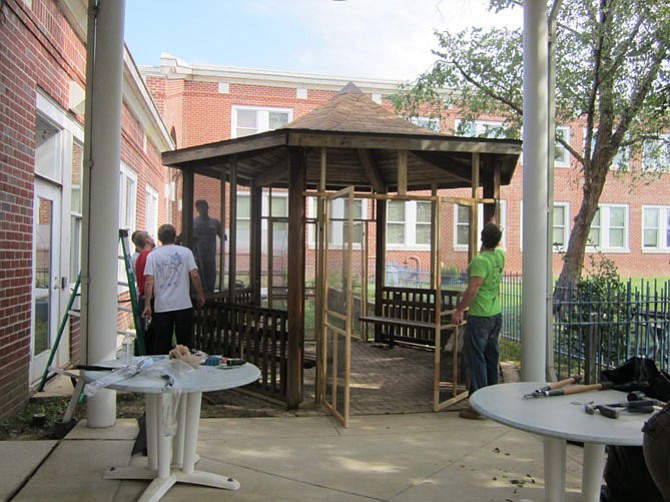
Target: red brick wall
(201,114)
(39,50)
(29,59)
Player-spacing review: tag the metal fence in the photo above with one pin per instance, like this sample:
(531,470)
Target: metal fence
(600,325)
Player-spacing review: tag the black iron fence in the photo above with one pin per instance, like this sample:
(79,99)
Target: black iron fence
(600,325)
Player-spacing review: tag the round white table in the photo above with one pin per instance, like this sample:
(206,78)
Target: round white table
(559,419)
(171,454)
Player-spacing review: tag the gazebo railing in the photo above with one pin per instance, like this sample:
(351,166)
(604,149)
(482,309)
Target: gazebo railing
(256,334)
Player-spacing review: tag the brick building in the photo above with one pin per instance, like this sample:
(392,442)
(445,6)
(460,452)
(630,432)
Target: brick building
(42,90)
(202,104)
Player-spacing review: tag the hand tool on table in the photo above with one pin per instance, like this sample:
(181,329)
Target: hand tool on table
(552,386)
(576,389)
(605,410)
(638,395)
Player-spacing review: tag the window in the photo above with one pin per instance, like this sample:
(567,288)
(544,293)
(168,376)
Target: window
(336,226)
(279,210)
(561,154)
(432,123)
(561,228)
(76,210)
(621,160)
(655,228)
(252,120)
(127,198)
(609,229)
(462,224)
(408,224)
(151,216)
(480,129)
(656,154)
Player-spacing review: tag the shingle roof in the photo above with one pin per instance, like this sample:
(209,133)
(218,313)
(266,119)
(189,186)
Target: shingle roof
(350,110)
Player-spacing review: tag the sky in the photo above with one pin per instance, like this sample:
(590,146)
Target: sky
(385,39)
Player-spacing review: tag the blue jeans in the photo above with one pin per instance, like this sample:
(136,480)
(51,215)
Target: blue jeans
(482,352)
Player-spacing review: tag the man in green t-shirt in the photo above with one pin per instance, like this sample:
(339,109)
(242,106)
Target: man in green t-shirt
(482,296)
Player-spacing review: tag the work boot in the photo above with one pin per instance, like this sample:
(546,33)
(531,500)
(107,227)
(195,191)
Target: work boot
(470,414)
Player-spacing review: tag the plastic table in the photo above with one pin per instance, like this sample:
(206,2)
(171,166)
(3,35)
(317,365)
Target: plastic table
(559,419)
(171,451)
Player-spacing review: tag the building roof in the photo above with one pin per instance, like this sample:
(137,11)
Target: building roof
(363,142)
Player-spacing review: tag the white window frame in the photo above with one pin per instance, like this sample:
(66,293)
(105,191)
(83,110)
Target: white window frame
(430,123)
(562,155)
(151,211)
(334,233)
(662,229)
(661,158)
(565,207)
(127,198)
(620,162)
(605,229)
(262,117)
(410,226)
(482,128)
(480,224)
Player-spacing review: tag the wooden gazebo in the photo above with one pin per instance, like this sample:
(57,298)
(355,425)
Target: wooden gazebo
(349,143)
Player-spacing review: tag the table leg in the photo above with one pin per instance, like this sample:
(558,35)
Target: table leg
(151,409)
(554,469)
(178,442)
(592,471)
(193,402)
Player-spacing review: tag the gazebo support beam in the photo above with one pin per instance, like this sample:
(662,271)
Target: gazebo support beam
(296,271)
(371,170)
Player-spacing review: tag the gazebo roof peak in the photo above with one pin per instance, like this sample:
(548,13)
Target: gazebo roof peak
(351,110)
(349,88)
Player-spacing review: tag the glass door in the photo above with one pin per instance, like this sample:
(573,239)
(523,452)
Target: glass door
(46,283)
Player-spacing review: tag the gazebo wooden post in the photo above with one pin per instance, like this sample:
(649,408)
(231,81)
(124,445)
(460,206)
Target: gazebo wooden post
(380,263)
(222,219)
(255,244)
(492,191)
(187,210)
(320,304)
(474,208)
(232,249)
(296,276)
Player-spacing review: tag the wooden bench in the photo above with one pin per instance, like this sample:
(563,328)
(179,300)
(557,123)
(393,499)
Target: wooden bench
(408,315)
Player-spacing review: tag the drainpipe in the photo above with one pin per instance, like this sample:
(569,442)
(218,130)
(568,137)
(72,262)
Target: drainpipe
(102,145)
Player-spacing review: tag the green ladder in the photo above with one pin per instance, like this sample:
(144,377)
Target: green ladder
(134,301)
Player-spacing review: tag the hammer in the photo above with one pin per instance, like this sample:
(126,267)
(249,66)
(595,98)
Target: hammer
(605,410)
(576,389)
(554,385)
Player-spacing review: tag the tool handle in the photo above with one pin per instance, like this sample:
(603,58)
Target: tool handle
(576,389)
(561,383)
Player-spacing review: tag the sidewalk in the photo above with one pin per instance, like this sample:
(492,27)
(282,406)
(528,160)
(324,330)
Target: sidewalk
(395,449)
(399,458)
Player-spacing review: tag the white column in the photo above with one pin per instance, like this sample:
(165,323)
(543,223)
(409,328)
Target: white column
(99,268)
(535,151)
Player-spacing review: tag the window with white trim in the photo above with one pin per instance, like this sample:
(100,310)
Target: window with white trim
(251,120)
(408,224)
(561,228)
(620,162)
(432,123)
(561,154)
(656,228)
(127,198)
(462,224)
(480,129)
(151,211)
(279,210)
(609,229)
(337,224)
(656,154)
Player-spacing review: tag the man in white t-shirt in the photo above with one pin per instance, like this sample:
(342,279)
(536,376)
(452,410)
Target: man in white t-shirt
(166,274)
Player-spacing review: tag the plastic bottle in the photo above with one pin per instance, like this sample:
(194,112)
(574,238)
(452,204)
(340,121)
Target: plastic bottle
(127,350)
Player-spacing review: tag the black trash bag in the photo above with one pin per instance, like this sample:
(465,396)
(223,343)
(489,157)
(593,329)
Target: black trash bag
(639,373)
(626,475)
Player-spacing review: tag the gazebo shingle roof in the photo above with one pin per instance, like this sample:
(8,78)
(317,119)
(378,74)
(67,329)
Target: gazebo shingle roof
(352,111)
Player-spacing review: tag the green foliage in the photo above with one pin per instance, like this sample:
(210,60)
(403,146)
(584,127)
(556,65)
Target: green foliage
(612,76)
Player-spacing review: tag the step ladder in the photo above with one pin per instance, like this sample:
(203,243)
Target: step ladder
(135,308)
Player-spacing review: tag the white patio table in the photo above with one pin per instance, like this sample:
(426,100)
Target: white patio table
(180,401)
(559,419)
